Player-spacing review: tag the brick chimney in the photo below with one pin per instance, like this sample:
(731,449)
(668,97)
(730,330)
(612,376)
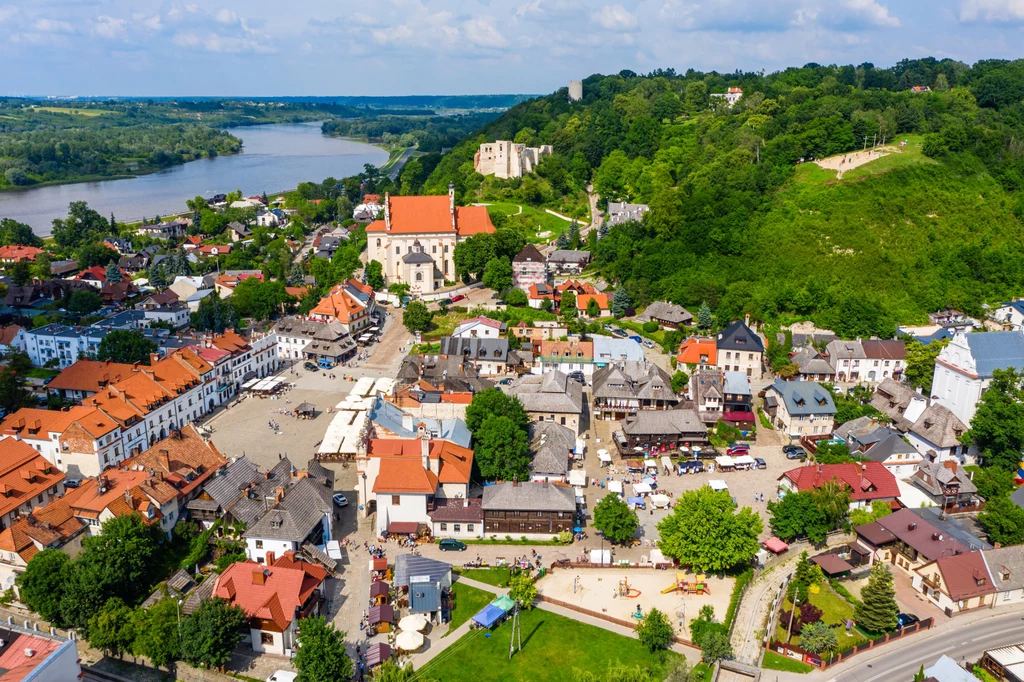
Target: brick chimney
(950,464)
(278,495)
(259,577)
(270,558)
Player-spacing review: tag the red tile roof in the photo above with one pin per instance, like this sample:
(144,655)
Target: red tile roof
(694,348)
(9,333)
(455,466)
(91,375)
(16,253)
(963,575)
(867,481)
(583,300)
(24,474)
(270,593)
(424,214)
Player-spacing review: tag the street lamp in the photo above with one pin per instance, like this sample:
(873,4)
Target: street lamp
(792,614)
(177,611)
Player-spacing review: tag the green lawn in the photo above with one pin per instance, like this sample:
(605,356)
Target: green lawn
(658,336)
(535,221)
(495,575)
(41,373)
(552,646)
(89,113)
(468,602)
(834,611)
(911,154)
(444,325)
(774,661)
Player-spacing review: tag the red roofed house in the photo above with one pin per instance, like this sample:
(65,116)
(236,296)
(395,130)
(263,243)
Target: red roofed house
(53,526)
(402,477)
(97,275)
(698,352)
(479,327)
(867,481)
(14,254)
(583,304)
(274,596)
(956,582)
(415,242)
(349,303)
(213,249)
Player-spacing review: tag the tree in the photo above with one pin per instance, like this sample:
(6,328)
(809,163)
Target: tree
(833,497)
(704,624)
(41,266)
(1003,521)
(13,394)
(620,302)
(259,300)
(296,277)
(920,363)
(516,298)
(211,632)
(83,225)
(654,630)
(498,274)
(375,275)
(706,532)
(704,320)
(593,308)
(502,450)
(716,646)
(41,586)
(416,317)
(615,519)
(521,587)
(877,609)
(215,314)
(113,272)
(797,515)
(879,508)
(157,636)
(492,402)
(82,302)
(819,638)
(567,306)
(125,345)
(998,425)
(17,233)
(111,629)
(21,273)
(993,482)
(389,671)
(941,83)
(680,381)
(830,452)
(321,655)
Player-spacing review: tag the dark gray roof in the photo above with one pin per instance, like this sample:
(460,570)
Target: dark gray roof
(738,336)
(529,497)
(569,256)
(295,516)
(417,257)
(226,488)
(493,350)
(310,329)
(810,362)
(664,422)
(939,426)
(631,379)
(410,567)
(551,444)
(952,528)
(889,446)
(179,584)
(804,397)
(552,392)
(458,510)
(862,430)
(1006,565)
(931,476)
(662,311)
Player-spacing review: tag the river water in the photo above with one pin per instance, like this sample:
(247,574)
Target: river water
(274,158)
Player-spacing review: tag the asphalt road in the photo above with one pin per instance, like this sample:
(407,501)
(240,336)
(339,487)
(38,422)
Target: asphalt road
(397,168)
(901,660)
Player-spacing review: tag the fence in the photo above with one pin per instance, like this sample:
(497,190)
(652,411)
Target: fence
(630,625)
(815,660)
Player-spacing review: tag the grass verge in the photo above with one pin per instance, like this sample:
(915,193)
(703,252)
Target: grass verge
(774,661)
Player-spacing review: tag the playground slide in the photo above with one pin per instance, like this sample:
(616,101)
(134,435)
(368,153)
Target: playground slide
(670,588)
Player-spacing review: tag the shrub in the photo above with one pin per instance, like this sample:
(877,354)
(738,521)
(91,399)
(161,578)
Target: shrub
(650,326)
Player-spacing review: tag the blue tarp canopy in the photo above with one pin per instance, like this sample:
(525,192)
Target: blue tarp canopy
(636,501)
(489,615)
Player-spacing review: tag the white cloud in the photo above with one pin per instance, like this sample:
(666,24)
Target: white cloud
(996,11)
(869,12)
(111,28)
(482,32)
(226,16)
(7,12)
(53,26)
(616,18)
(757,16)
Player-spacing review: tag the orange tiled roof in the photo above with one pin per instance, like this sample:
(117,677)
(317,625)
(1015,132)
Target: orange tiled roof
(52,525)
(455,465)
(583,300)
(231,341)
(30,422)
(339,305)
(15,252)
(566,349)
(91,375)
(404,476)
(8,334)
(429,214)
(269,593)
(693,348)
(186,460)
(24,473)
(122,492)
(140,394)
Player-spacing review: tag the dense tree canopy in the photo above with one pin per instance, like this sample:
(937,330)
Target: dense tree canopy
(125,345)
(706,532)
(615,519)
(998,425)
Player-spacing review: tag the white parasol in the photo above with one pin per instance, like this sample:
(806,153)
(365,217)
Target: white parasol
(413,622)
(409,640)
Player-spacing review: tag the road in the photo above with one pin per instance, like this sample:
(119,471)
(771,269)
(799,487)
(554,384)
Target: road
(397,168)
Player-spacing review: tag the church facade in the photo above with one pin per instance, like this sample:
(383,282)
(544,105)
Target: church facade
(415,241)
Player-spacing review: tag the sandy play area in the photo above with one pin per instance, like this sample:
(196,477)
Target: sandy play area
(845,162)
(598,590)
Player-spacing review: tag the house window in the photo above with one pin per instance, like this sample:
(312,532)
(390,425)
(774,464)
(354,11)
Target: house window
(398,250)
(419,276)
(259,544)
(469,527)
(378,242)
(444,527)
(433,249)
(458,527)
(396,500)
(266,637)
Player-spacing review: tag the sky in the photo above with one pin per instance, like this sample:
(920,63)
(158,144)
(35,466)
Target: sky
(397,47)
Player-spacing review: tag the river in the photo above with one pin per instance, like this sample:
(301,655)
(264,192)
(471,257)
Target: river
(274,157)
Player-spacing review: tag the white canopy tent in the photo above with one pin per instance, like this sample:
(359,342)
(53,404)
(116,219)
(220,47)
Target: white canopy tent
(660,501)
(600,556)
(666,461)
(642,489)
(718,485)
(604,456)
(615,487)
(362,387)
(413,623)
(343,433)
(383,385)
(578,478)
(744,461)
(725,461)
(409,641)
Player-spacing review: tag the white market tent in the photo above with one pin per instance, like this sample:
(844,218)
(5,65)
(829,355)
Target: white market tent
(413,623)
(343,433)
(615,487)
(744,460)
(362,387)
(725,461)
(666,461)
(384,385)
(718,485)
(577,478)
(600,556)
(642,489)
(604,456)
(660,501)
(409,640)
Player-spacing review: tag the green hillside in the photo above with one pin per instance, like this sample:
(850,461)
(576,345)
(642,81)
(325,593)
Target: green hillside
(738,221)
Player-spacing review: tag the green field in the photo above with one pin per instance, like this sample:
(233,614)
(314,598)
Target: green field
(835,611)
(552,646)
(468,602)
(535,221)
(90,113)
(908,156)
(496,575)
(774,661)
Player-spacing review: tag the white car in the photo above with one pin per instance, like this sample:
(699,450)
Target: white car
(648,343)
(283,676)
(340,500)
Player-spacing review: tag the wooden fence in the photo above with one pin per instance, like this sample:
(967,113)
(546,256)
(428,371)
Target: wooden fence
(628,624)
(815,660)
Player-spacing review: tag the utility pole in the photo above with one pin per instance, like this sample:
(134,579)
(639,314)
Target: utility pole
(865,143)
(792,614)
(516,630)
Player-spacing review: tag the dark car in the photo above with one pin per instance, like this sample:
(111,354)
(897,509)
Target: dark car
(797,453)
(505,382)
(905,619)
(445,302)
(759,463)
(787,448)
(452,545)
(577,376)
(310,366)
(619,334)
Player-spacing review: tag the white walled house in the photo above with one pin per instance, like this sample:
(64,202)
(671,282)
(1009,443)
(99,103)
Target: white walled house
(964,368)
(479,328)
(800,408)
(895,454)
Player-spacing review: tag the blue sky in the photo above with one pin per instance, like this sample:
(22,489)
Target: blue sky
(393,47)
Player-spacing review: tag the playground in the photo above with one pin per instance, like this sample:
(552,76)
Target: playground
(618,592)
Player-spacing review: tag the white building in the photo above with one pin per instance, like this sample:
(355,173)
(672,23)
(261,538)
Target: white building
(506,159)
(800,408)
(963,370)
(479,328)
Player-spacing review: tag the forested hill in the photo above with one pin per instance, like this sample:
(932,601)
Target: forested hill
(737,221)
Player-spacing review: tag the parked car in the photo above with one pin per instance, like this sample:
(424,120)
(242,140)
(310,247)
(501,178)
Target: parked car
(905,619)
(787,448)
(505,382)
(578,376)
(798,453)
(446,302)
(735,450)
(637,339)
(619,334)
(648,343)
(72,482)
(452,545)
(759,463)
(607,326)
(340,500)
(310,366)
(458,297)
